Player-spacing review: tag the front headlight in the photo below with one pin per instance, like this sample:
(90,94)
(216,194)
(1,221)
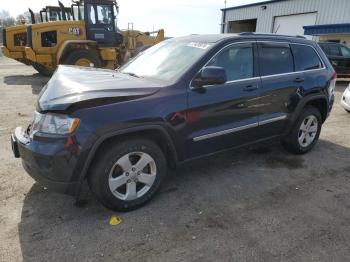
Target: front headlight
(53,124)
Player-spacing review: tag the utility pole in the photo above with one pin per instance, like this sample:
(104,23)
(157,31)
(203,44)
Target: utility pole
(222,25)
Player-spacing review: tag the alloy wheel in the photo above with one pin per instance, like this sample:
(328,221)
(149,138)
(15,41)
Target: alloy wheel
(132,175)
(308,131)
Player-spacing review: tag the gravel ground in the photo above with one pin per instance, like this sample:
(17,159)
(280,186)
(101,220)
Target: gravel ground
(253,204)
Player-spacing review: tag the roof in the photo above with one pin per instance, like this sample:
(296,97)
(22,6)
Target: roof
(210,38)
(213,38)
(253,4)
(327,29)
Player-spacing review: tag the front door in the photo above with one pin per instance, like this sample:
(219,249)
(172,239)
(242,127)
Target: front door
(226,115)
(100,27)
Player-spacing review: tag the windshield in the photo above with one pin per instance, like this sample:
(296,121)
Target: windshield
(166,60)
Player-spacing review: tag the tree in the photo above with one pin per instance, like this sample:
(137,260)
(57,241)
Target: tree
(6,19)
(23,17)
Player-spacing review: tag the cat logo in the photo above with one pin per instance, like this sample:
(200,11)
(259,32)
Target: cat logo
(74,31)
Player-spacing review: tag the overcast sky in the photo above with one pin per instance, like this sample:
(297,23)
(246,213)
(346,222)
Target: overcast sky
(177,17)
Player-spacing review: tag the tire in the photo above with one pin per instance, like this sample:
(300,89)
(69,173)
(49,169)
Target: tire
(42,69)
(299,141)
(109,168)
(347,111)
(89,56)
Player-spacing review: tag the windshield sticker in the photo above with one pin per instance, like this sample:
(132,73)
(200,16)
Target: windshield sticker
(198,45)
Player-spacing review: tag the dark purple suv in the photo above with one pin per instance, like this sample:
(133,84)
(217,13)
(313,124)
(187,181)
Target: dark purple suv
(184,98)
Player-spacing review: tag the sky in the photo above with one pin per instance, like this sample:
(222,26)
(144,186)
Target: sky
(176,17)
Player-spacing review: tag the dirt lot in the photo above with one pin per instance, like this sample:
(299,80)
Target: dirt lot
(253,204)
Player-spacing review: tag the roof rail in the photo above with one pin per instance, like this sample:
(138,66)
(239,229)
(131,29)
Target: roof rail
(265,34)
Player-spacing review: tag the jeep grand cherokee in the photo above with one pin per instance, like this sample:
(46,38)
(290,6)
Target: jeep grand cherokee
(182,99)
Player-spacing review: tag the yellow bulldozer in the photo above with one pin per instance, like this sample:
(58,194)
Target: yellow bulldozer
(91,39)
(15,37)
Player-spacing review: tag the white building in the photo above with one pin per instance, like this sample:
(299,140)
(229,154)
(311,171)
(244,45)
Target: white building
(322,20)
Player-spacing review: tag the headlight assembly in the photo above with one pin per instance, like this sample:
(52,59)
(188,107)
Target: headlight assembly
(53,124)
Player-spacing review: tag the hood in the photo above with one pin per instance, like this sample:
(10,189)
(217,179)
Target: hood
(73,85)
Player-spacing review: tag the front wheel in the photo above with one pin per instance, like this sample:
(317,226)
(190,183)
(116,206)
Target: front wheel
(305,133)
(83,57)
(127,175)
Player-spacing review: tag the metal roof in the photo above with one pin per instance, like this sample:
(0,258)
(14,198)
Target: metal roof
(253,4)
(326,29)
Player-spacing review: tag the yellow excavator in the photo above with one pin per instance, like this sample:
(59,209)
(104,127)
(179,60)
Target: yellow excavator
(92,39)
(15,37)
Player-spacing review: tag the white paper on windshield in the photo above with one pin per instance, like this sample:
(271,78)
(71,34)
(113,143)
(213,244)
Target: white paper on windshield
(198,45)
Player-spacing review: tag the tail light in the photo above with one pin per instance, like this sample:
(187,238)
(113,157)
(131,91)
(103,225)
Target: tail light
(332,85)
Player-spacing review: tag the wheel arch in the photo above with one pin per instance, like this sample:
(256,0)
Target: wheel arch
(70,45)
(321,104)
(319,101)
(155,133)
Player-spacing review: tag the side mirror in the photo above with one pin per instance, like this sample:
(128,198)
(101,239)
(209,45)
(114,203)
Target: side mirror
(210,75)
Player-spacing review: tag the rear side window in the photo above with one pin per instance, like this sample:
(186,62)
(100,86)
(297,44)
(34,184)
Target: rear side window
(275,59)
(305,58)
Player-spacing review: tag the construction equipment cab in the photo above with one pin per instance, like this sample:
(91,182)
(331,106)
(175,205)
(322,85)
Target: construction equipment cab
(93,40)
(56,13)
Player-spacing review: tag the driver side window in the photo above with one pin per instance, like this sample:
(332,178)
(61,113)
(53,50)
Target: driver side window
(104,14)
(237,60)
(91,14)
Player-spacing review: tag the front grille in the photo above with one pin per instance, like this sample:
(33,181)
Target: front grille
(29,36)
(4,36)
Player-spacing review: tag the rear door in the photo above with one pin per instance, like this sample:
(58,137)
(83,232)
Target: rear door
(226,115)
(309,62)
(280,85)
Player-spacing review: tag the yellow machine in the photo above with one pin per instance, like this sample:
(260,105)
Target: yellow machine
(93,40)
(15,37)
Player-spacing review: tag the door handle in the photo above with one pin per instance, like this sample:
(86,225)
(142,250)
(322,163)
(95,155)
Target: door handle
(250,88)
(299,80)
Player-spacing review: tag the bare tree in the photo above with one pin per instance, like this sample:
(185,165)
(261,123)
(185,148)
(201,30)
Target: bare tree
(25,17)
(6,19)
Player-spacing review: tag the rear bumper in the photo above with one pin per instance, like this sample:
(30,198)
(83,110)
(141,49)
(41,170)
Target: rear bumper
(47,163)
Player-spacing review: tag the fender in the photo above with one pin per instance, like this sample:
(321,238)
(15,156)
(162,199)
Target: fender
(67,43)
(303,101)
(103,138)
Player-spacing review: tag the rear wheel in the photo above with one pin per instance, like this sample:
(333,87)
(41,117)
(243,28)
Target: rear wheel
(42,69)
(305,133)
(128,174)
(83,57)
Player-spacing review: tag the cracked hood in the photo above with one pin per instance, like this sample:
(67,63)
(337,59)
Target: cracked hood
(72,85)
